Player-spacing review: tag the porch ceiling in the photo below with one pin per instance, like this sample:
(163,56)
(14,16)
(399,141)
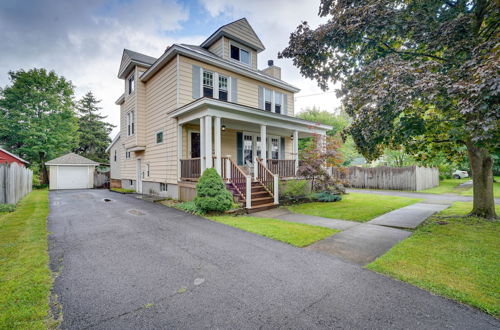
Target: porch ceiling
(241,117)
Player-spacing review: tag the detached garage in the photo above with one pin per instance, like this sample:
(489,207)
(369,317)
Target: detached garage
(71,171)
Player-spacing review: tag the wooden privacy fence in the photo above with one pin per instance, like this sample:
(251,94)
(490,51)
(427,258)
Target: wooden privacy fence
(15,182)
(392,178)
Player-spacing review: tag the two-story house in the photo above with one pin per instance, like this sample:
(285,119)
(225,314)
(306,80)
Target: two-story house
(197,107)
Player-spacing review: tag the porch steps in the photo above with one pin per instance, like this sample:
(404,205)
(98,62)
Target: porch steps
(261,199)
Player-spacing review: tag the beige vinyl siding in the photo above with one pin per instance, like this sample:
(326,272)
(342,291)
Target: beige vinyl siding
(127,166)
(161,92)
(217,48)
(115,166)
(243,31)
(248,90)
(288,148)
(140,91)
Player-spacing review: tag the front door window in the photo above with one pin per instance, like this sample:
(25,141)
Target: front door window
(195,145)
(247,149)
(275,148)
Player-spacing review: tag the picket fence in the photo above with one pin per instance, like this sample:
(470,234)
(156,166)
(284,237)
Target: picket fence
(392,178)
(15,182)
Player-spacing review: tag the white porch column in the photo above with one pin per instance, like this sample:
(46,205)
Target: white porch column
(217,137)
(208,142)
(263,144)
(179,150)
(296,149)
(202,145)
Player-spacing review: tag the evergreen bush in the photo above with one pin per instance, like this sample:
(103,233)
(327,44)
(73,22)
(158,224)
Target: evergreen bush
(211,193)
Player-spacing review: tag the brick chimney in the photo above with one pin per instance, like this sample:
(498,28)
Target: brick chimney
(272,70)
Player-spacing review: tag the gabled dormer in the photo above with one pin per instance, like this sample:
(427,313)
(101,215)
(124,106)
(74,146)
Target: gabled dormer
(237,42)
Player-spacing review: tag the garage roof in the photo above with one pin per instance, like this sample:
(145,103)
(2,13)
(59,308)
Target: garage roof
(71,159)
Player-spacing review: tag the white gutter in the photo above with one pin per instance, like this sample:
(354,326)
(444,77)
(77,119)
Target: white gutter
(177,49)
(241,108)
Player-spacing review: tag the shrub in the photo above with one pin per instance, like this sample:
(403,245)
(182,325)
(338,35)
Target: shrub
(327,196)
(7,208)
(294,188)
(189,207)
(211,193)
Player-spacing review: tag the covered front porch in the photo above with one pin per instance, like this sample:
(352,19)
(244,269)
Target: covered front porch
(245,145)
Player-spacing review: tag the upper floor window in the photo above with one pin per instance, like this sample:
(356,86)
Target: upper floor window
(222,88)
(277,102)
(127,154)
(115,155)
(240,54)
(131,123)
(208,84)
(268,99)
(131,84)
(159,137)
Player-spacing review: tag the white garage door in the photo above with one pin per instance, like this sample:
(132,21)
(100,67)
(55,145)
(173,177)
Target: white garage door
(72,177)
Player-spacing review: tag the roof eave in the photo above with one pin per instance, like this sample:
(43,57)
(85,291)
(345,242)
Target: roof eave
(214,37)
(177,49)
(201,102)
(126,71)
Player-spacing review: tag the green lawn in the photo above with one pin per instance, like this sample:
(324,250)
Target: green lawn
(25,277)
(297,234)
(459,260)
(447,186)
(450,186)
(123,190)
(354,206)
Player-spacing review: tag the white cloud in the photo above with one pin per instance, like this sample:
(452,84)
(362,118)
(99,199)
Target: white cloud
(84,40)
(273,21)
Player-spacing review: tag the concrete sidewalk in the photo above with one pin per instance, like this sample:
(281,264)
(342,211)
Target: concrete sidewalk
(409,216)
(358,242)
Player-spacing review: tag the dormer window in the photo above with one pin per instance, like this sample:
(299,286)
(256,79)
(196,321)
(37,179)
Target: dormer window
(131,84)
(240,54)
(208,84)
(222,88)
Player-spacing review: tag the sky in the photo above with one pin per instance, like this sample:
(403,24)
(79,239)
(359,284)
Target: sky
(84,40)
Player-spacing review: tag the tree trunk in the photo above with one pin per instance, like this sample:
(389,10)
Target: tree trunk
(481,165)
(44,175)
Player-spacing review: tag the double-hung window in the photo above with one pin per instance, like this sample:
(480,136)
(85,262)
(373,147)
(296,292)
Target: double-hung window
(208,84)
(240,54)
(130,123)
(268,99)
(277,102)
(131,84)
(223,88)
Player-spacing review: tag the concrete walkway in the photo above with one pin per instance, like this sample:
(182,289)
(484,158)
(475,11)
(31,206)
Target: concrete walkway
(362,243)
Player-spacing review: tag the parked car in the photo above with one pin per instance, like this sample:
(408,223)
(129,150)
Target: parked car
(460,174)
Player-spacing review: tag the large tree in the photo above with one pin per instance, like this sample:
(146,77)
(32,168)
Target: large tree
(422,74)
(93,130)
(37,118)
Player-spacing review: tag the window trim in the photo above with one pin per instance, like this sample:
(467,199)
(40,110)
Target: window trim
(162,137)
(131,122)
(129,89)
(232,43)
(128,155)
(115,156)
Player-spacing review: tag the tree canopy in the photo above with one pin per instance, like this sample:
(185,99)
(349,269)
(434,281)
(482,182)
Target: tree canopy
(419,74)
(93,131)
(37,118)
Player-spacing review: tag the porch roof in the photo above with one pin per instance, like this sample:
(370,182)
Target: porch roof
(212,107)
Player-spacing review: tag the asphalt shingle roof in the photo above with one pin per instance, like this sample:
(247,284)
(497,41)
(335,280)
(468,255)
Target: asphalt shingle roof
(71,159)
(140,57)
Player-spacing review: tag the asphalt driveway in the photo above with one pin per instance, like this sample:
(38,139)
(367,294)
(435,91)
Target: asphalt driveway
(129,264)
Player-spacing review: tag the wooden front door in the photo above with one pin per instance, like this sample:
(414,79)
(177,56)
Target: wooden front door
(195,145)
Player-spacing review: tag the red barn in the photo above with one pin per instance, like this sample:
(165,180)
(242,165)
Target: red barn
(7,157)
